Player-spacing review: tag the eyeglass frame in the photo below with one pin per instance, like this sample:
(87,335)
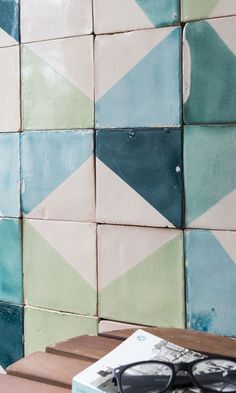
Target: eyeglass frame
(175,367)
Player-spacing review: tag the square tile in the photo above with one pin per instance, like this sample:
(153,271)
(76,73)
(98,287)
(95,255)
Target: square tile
(11,278)
(9,23)
(141,275)
(138,79)
(11,329)
(211,276)
(210,176)
(203,9)
(9,89)
(60,266)
(45,327)
(111,16)
(140,173)
(107,326)
(9,175)
(57,84)
(49,19)
(209,71)
(58,175)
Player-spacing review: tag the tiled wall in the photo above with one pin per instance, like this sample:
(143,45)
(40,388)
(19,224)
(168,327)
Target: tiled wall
(117,168)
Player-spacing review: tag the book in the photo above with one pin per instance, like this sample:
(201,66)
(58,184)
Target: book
(140,346)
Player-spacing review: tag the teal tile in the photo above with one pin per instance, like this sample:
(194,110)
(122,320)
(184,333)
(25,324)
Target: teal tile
(9,22)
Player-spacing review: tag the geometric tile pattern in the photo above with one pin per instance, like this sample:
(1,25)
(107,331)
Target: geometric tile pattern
(207,9)
(211,275)
(111,16)
(140,171)
(143,90)
(9,22)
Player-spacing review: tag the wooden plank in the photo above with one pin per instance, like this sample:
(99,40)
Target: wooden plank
(10,384)
(192,339)
(86,347)
(48,368)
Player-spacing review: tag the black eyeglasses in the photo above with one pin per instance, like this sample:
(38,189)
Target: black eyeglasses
(214,374)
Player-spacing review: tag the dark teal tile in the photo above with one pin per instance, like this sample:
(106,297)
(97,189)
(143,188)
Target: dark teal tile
(9,22)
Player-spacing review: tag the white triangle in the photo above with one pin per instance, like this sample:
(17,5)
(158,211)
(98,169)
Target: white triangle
(224,8)
(124,247)
(75,242)
(226,29)
(228,241)
(220,216)
(6,39)
(116,55)
(72,200)
(111,16)
(71,57)
(186,69)
(130,207)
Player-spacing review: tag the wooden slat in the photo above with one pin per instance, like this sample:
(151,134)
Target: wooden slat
(192,339)
(10,384)
(87,347)
(47,368)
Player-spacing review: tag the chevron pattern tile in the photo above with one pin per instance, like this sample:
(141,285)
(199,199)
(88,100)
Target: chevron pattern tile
(111,16)
(9,23)
(138,79)
(58,175)
(202,9)
(209,71)
(211,275)
(63,254)
(147,268)
(140,171)
(57,93)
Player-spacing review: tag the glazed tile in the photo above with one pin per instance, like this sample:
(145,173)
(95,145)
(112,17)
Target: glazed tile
(211,275)
(58,175)
(63,254)
(9,23)
(11,329)
(107,326)
(9,89)
(137,79)
(57,84)
(210,177)
(111,16)
(9,175)
(46,327)
(11,285)
(143,280)
(55,19)
(202,9)
(140,173)
(209,71)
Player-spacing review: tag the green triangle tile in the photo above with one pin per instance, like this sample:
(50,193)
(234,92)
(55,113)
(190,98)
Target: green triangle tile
(161,12)
(49,100)
(193,9)
(157,281)
(50,282)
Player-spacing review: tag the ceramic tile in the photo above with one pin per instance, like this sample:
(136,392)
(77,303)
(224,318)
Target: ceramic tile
(138,79)
(142,281)
(11,329)
(111,16)
(9,175)
(209,71)
(9,23)
(49,19)
(45,327)
(140,173)
(202,9)
(9,89)
(58,175)
(210,177)
(57,84)
(107,326)
(63,254)
(11,288)
(211,275)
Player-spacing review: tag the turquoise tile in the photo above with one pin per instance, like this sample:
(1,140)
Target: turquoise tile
(9,175)
(210,277)
(9,22)
(11,330)
(11,277)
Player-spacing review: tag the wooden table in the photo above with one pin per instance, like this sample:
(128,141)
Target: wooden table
(52,371)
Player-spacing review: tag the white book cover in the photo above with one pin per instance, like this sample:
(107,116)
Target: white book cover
(139,346)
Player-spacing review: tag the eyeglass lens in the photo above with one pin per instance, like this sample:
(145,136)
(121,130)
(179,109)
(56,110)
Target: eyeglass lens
(216,374)
(146,378)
